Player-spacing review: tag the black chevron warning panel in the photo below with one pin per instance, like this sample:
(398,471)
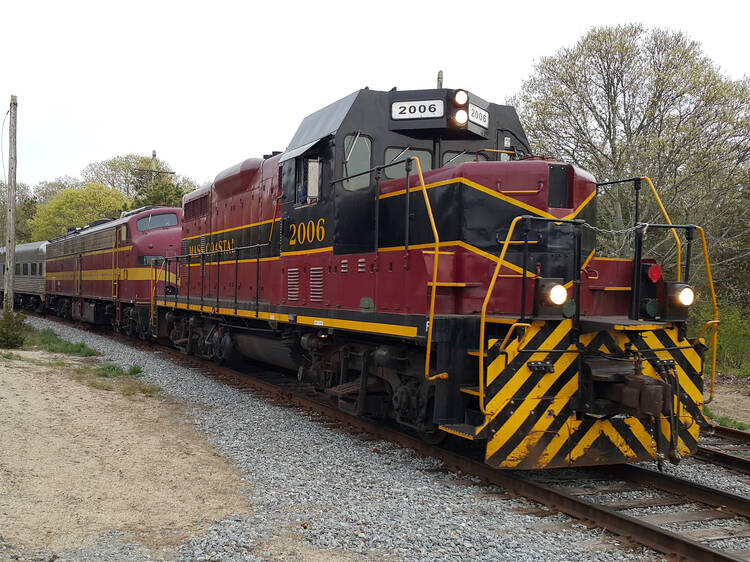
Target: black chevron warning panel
(545,411)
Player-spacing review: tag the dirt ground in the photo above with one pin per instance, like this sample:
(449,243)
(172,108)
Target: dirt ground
(78,462)
(731,398)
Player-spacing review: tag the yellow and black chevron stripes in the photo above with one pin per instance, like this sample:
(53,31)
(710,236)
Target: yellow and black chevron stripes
(532,420)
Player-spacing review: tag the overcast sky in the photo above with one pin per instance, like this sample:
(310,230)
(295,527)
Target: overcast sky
(207,84)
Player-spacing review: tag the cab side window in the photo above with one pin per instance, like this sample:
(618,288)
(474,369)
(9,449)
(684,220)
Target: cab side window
(398,153)
(357,160)
(307,180)
(455,157)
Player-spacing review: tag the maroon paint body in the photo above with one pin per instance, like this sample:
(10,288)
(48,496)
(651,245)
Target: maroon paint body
(80,267)
(242,210)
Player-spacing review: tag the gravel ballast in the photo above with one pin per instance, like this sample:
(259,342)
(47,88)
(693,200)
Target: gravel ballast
(350,496)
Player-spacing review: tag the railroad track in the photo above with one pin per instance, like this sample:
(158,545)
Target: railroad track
(684,501)
(726,447)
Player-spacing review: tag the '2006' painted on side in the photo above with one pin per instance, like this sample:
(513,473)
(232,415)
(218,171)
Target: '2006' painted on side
(307,232)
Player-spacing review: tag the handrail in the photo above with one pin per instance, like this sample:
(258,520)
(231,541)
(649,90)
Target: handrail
(154,285)
(483,316)
(494,151)
(674,232)
(714,323)
(273,219)
(714,342)
(435,235)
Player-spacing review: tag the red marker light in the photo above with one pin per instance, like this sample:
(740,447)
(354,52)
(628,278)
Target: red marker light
(654,273)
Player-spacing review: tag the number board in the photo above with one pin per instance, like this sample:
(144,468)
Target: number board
(479,116)
(426,109)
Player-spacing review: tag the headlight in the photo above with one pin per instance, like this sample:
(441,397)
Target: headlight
(686,296)
(557,295)
(461,117)
(676,302)
(461,97)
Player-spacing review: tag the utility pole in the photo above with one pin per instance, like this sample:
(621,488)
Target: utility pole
(10,238)
(153,166)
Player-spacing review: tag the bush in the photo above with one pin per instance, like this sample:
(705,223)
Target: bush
(12,329)
(733,352)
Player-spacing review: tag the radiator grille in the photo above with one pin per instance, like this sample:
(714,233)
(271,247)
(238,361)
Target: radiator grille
(316,284)
(292,284)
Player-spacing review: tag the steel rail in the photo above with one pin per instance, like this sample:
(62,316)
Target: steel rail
(721,458)
(679,486)
(731,433)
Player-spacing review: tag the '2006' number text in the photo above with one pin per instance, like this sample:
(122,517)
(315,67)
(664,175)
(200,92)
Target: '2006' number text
(307,232)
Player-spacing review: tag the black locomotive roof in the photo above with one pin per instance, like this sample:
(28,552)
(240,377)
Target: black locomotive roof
(370,111)
(319,125)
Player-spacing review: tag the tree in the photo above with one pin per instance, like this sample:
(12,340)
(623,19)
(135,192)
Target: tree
(145,179)
(76,207)
(625,102)
(25,209)
(164,190)
(44,191)
(124,173)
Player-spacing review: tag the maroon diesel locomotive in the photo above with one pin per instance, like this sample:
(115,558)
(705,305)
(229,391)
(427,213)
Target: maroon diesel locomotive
(103,273)
(410,256)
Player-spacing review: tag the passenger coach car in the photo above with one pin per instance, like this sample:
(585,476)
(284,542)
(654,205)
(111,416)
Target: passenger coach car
(28,280)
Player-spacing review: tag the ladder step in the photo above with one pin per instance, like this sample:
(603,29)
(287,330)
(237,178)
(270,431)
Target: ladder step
(345,389)
(463,430)
(475,352)
(473,390)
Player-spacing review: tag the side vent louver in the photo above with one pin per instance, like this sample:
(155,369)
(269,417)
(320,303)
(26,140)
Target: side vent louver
(344,266)
(292,284)
(316,284)
(361,265)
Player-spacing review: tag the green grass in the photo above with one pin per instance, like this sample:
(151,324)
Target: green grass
(135,371)
(49,341)
(109,370)
(725,421)
(10,355)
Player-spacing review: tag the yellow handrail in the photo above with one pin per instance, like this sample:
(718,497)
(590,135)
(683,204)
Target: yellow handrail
(713,342)
(483,316)
(666,217)
(715,322)
(434,275)
(153,290)
(493,150)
